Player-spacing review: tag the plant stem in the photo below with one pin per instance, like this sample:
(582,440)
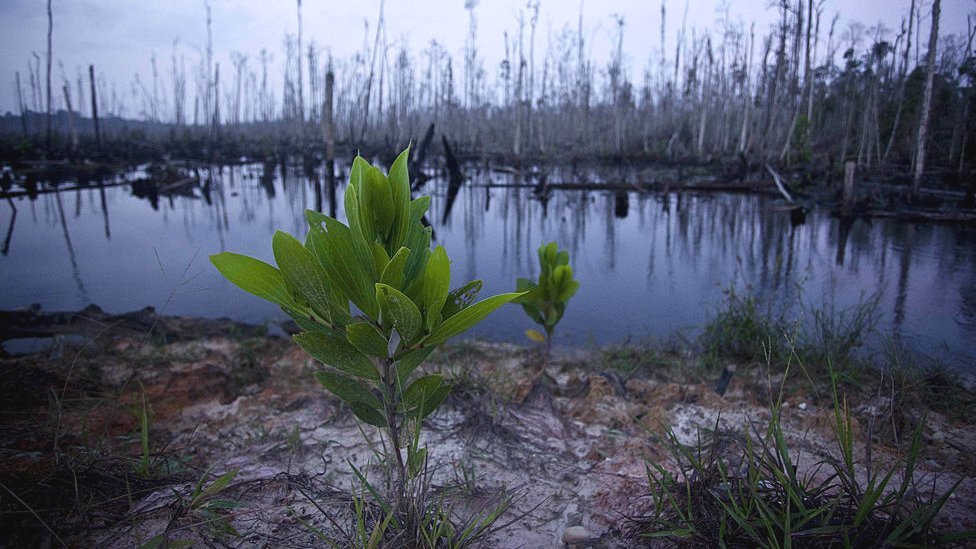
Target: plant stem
(391,399)
(548,345)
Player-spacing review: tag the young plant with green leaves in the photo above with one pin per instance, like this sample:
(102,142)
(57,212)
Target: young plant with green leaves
(545,302)
(381,263)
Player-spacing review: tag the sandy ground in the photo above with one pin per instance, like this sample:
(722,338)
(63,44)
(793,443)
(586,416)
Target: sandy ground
(570,441)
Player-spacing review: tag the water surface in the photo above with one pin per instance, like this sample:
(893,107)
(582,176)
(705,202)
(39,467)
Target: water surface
(650,265)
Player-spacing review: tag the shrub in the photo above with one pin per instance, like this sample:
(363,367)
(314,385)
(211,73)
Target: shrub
(382,264)
(545,302)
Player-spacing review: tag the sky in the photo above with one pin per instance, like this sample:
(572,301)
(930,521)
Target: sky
(120,36)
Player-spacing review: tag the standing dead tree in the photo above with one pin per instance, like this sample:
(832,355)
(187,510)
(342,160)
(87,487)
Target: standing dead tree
(923,124)
(50,31)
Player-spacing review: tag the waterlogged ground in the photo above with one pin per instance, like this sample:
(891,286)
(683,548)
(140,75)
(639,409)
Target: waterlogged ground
(570,440)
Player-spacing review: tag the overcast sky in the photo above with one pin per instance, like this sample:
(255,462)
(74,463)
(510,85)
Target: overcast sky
(119,36)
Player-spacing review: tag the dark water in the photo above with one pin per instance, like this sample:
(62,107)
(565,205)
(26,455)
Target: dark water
(649,264)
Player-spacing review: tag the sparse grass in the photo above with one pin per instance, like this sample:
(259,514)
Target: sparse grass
(646,357)
(456,515)
(248,368)
(822,334)
(95,477)
(746,490)
(742,332)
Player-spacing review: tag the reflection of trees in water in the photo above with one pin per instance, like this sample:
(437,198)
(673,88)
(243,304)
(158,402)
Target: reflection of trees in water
(687,238)
(76,272)
(905,264)
(610,231)
(10,228)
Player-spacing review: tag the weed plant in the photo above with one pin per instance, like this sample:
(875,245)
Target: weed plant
(746,490)
(743,331)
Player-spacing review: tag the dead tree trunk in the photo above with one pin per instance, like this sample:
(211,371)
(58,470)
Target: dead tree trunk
(301,93)
(71,119)
(328,131)
(328,125)
(901,84)
(94,100)
(50,30)
(21,105)
(216,98)
(747,100)
(923,124)
(419,155)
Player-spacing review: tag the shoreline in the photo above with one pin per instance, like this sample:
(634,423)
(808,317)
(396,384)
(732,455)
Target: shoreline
(574,435)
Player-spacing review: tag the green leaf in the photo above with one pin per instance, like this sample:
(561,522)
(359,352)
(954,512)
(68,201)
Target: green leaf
(254,276)
(418,240)
(348,389)
(213,488)
(399,179)
(424,395)
(411,360)
(437,284)
(403,312)
(354,202)
(361,231)
(333,246)
(535,335)
(223,504)
(369,415)
(365,337)
(568,290)
(304,322)
(534,313)
(415,461)
(380,257)
(393,273)
(332,349)
(459,298)
(379,202)
(303,272)
(467,318)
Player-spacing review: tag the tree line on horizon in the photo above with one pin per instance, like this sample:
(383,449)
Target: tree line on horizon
(805,91)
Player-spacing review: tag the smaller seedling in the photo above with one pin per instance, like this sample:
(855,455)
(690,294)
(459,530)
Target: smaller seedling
(144,414)
(204,502)
(545,302)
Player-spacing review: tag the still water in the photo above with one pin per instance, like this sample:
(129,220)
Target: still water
(650,265)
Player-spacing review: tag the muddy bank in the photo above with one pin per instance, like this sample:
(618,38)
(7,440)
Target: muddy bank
(570,440)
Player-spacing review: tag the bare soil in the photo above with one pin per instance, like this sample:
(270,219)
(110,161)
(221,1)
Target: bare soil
(570,440)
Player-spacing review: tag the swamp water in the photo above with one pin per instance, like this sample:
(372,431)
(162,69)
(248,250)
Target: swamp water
(650,264)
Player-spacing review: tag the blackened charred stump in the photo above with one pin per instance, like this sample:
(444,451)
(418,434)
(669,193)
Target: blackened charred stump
(798,216)
(621,204)
(455,178)
(843,232)
(267,177)
(722,385)
(417,177)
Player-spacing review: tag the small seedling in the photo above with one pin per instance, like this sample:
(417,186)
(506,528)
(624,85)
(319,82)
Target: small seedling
(144,414)
(381,263)
(545,302)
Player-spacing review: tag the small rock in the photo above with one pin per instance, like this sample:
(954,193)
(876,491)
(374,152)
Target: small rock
(802,406)
(576,534)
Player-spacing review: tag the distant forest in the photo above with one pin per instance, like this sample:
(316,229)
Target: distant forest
(805,91)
